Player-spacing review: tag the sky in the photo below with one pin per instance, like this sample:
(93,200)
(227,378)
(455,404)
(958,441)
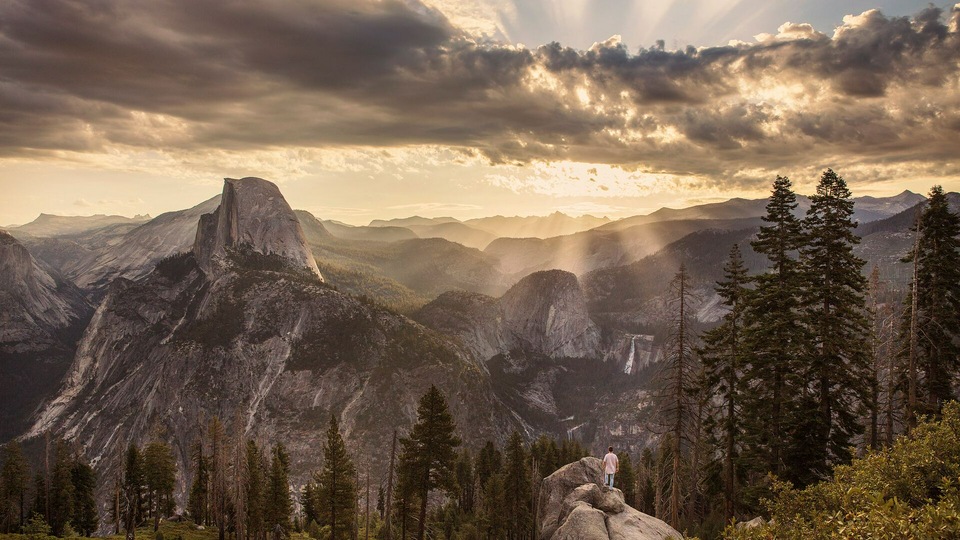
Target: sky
(367,109)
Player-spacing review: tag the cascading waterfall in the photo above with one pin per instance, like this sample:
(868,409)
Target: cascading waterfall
(633,352)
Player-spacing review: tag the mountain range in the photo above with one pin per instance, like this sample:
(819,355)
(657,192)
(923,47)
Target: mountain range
(272,319)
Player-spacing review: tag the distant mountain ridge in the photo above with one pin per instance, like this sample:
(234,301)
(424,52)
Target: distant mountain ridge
(866,209)
(53,225)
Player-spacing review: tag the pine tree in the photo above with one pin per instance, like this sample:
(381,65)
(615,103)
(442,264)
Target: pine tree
(131,501)
(494,519)
(937,261)
(429,452)
(517,489)
(336,491)
(39,504)
(309,503)
(199,497)
(85,518)
(279,504)
(627,479)
(160,476)
(219,495)
(466,482)
(547,454)
(723,359)
(240,486)
(255,492)
(15,477)
(883,369)
(835,308)
(489,462)
(647,483)
(406,495)
(677,381)
(776,339)
(381,502)
(61,490)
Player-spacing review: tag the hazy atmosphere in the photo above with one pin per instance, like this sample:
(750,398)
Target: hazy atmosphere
(368,109)
(479,269)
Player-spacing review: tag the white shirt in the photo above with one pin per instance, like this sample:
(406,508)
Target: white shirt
(610,463)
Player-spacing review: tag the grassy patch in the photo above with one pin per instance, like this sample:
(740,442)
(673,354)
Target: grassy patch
(184,530)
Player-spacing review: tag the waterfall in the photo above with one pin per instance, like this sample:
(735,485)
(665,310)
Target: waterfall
(633,351)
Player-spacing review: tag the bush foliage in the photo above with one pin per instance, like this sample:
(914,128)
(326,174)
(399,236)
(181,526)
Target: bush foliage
(911,490)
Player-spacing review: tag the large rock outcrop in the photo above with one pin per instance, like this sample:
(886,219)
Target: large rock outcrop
(253,216)
(574,505)
(264,345)
(41,318)
(544,314)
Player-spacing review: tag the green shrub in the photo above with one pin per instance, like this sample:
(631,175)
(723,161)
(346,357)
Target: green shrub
(911,490)
(37,527)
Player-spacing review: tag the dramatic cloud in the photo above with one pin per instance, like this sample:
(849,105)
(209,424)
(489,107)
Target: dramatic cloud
(194,76)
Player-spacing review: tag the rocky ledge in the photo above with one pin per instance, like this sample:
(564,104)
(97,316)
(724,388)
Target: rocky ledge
(574,505)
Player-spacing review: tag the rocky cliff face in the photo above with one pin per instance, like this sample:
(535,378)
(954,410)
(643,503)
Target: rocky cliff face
(261,342)
(543,314)
(546,312)
(573,505)
(41,317)
(134,254)
(538,344)
(252,215)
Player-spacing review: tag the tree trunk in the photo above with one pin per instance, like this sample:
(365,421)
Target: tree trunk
(423,509)
(695,463)
(730,491)
(890,394)
(333,507)
(156,514)
(366,527)
(912,366)
(389,505)
(678,424)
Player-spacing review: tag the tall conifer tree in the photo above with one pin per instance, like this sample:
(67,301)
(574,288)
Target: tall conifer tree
(775,338)
(61,490)
(198,502)
(85,518)
(517,490)
(255,490)
(835,307)
(132,499)
(677,381)
(429,452)
(937,262)
(723,358)
(279,504)
(15,478)
(160,475)
(219,495)
(336,490)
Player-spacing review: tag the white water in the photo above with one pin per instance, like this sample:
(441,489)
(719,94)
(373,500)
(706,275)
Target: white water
(572,432)
(633,351)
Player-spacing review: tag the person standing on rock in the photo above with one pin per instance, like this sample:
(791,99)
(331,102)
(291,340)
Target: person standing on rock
(611,466)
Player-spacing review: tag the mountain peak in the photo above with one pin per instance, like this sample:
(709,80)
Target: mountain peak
(252,215)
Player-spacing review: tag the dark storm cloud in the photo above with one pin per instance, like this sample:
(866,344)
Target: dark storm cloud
(237,74)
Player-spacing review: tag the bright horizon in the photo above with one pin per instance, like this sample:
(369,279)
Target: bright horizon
(376,109)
